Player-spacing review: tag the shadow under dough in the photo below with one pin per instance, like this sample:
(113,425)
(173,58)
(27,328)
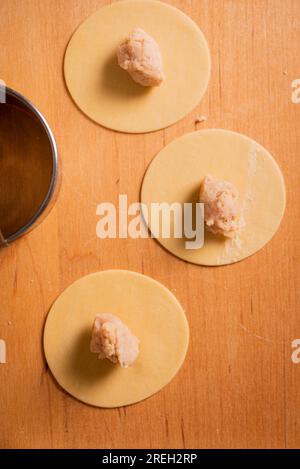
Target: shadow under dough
(118,82)
(86,365)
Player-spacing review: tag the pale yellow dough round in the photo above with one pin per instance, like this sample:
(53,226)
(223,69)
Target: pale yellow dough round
(108,95)
(177,171)
(150,311)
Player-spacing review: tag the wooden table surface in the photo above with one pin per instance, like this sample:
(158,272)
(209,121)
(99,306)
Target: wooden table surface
(238,386)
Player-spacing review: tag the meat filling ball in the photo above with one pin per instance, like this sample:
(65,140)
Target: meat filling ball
(140,56)
(221,208)
(113,340)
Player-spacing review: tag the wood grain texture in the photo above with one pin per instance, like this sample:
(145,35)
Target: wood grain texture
(238,386)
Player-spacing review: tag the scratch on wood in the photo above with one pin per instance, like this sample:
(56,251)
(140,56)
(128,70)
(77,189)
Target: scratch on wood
(259,337)
(182,432)
(36,273)
(167,426)
(66,425)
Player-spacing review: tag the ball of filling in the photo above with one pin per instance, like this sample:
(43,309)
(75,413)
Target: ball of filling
(221,210)
(113,340)
(140,55)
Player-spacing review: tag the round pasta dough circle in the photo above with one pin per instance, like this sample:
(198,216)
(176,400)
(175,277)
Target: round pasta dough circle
(176,173)
(150,311)
(108,95)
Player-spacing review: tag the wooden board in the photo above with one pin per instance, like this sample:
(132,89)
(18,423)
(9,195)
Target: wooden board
(238,387)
